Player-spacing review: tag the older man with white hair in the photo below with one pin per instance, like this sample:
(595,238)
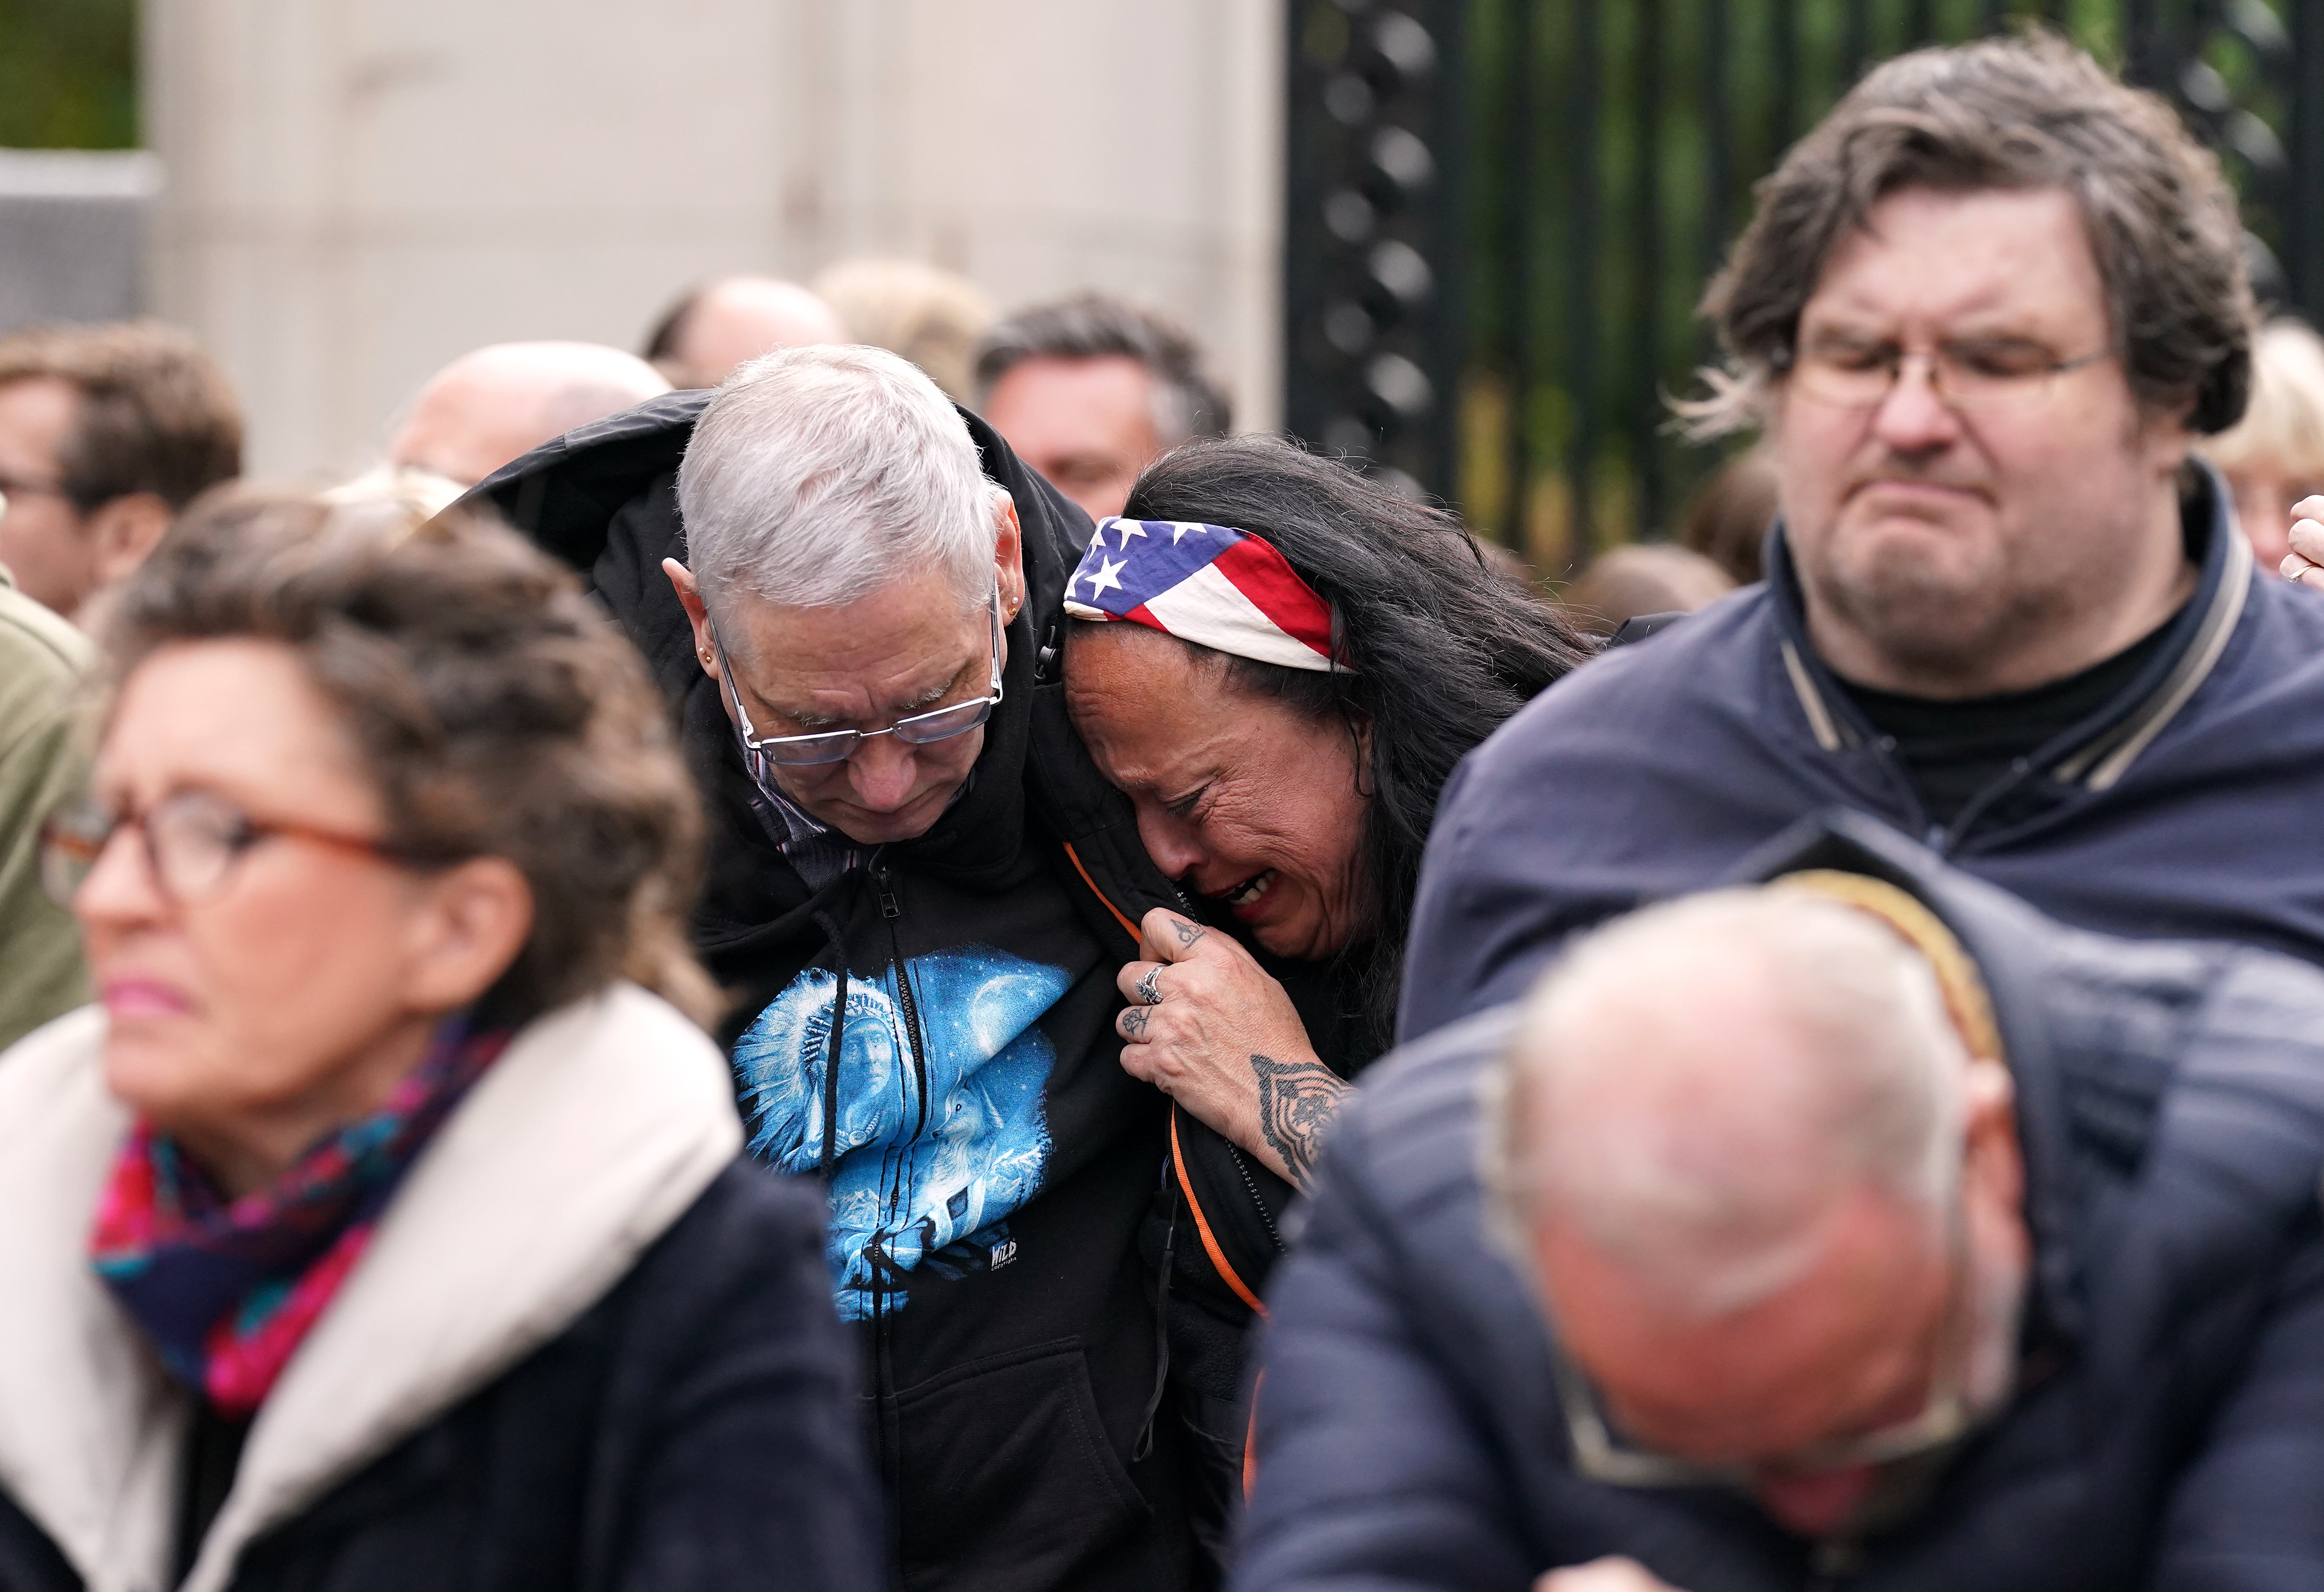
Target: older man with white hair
(920,888)
(1856,1227)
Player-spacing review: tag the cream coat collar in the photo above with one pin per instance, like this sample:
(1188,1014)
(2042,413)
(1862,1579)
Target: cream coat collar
(591,1136)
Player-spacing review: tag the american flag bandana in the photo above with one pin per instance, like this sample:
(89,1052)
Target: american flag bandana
(1211,584)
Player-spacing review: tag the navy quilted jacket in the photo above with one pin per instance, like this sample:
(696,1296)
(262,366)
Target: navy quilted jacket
(2169,1429)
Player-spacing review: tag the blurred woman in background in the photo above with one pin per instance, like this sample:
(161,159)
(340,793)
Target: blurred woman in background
(2274,456)
(381,1228)
(1279,662)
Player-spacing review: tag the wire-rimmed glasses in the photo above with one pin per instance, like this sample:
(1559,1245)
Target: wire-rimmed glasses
(917,729)
(1970,374)
(1602,1454)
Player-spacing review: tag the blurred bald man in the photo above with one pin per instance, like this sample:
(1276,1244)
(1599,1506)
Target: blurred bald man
(711,329)
(499,402)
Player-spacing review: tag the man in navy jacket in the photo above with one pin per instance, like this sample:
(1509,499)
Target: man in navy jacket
(2097,1362)
(1982,311)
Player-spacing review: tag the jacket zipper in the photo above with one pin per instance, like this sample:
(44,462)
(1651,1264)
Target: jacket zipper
(890,909)
(883,1366)
(1251,1188)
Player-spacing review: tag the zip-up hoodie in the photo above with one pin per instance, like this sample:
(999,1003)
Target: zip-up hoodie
(989,1161)
(2184,807)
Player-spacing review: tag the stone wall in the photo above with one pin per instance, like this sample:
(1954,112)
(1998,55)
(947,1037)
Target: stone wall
(73,234)
(359,190)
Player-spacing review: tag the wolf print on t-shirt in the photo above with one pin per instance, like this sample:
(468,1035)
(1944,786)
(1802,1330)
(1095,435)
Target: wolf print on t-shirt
(926,1169)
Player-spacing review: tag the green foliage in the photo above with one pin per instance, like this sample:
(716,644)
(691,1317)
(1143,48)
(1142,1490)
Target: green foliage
(67,74)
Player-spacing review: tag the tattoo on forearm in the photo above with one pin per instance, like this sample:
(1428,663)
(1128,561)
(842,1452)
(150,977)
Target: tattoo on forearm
(1296,1102)
(1133,1022)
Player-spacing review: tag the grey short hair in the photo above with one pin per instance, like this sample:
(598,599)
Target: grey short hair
(1878,1086)
(818,474)
(2003,114)
(1188,402)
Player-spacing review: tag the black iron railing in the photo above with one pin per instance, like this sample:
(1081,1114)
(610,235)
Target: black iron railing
(1374,247)
(1501,213)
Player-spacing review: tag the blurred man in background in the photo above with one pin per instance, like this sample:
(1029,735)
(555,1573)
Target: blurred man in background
(42,656)
(711,329)
(499,402)
(1922,1244)
(106,432)
(1984,313)
(1090,390)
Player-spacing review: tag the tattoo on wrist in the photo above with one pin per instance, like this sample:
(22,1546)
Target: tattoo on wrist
(1296,1102)
(1133,1022)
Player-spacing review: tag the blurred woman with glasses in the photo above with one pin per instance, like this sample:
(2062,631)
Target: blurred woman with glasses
(384,1225)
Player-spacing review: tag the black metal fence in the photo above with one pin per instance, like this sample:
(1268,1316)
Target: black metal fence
(1501,213)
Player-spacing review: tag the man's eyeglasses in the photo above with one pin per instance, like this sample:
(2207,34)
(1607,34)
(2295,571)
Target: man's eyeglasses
(917,729)
(193,839)
(1964,374)
(1602,1454)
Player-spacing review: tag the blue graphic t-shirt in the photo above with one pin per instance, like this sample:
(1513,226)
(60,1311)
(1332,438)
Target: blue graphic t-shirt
(928,1169)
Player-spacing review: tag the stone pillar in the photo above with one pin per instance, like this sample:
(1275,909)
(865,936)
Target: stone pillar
(73,234)
(359,190)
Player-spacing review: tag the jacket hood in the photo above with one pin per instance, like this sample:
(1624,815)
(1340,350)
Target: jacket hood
(603,499)
(2009,946)
(2097,752)
(589,1137)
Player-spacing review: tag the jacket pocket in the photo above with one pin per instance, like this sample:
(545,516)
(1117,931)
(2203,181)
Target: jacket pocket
(1006,1478)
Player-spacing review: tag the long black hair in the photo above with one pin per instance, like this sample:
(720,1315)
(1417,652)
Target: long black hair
(1440,647)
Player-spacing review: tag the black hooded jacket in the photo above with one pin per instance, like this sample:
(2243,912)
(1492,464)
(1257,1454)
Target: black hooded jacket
(989,1162)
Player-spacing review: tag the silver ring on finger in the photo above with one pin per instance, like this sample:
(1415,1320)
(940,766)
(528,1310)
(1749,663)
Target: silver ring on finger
(1149,989)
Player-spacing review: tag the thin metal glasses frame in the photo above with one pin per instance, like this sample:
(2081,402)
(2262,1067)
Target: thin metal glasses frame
(2010,393)
(1947,1417)
(828,746)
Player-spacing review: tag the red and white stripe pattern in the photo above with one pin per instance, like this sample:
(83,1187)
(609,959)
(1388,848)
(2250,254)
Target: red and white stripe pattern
(1212,585)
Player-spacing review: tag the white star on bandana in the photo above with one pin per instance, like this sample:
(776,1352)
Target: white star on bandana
(1108,577)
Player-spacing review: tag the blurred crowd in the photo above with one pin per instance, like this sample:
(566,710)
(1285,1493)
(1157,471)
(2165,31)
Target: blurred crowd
(864,949)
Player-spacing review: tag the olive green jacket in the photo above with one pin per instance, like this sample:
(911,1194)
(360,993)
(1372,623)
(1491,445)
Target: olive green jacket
(41,975)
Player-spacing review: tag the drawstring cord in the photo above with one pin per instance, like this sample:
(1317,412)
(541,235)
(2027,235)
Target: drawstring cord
(1145,1444)
(838,1039)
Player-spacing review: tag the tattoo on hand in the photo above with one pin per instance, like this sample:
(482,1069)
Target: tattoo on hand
(1296,1102)
(1187,932)
(1133,1022)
